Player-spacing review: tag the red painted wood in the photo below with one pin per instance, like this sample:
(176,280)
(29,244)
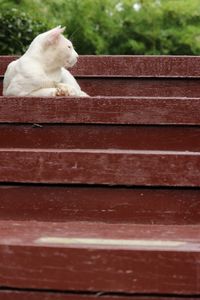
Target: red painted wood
(100,167)
(180,138)
(4,61)
(169,268)
(130,66)
(77,153)
(20,295)
(140,87)
(100,204)
(27,232)
(139,66)
(111,110)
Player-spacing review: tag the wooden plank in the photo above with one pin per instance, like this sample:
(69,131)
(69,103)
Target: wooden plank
(100,167)
(130,66)
(140,87)
(139,66)
(143,237)
(179,138)
(35,295)
(100,204)
(131,87)
(117,167)
(111,110)
(100,257)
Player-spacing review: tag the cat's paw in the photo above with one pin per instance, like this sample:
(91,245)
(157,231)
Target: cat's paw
(60,92)
(64,89)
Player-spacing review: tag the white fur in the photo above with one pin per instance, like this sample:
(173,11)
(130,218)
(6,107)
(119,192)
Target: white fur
(41,71)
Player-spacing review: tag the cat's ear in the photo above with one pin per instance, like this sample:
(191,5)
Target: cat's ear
(54,35)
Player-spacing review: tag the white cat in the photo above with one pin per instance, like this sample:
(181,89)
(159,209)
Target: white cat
(41,70)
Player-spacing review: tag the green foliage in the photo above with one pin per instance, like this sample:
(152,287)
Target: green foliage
(17,31)
(106,26)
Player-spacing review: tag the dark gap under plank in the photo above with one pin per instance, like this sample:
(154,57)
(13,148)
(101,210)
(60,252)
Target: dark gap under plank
(34,294)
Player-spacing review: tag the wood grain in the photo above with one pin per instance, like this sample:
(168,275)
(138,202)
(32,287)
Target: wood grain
(153,265)
(111,110)
(100,204)
(117,167)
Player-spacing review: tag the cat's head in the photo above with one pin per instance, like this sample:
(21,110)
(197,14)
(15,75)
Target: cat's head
(54,48)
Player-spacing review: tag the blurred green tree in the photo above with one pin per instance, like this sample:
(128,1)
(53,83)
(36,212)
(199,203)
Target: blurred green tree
(109,26)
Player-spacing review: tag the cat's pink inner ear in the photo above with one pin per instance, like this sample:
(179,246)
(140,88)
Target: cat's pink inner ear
(54,35)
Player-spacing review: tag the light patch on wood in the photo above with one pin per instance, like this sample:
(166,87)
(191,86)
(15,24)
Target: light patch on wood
(109,242)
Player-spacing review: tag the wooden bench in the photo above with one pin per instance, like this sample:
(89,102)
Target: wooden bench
(99,197)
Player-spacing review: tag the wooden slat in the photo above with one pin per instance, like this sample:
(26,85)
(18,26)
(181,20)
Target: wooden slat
(100,257)
(20,295)
(179,138)
(100,204)
(111,110)
(100,167)
(130,66)
(109,87)
(140,87)
(139,66)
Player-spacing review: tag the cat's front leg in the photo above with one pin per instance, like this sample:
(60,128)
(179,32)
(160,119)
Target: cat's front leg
(58,91)
(44,92)
(61,90)
(47,92)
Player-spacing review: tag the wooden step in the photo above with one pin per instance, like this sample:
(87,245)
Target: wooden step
(101,110)
(95,136)
(58,203)
(100,257)
(155,76)
(113,167)
(100,196)
(173,66)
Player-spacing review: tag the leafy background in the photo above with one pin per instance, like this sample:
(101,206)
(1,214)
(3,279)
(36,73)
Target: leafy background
(105,26)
